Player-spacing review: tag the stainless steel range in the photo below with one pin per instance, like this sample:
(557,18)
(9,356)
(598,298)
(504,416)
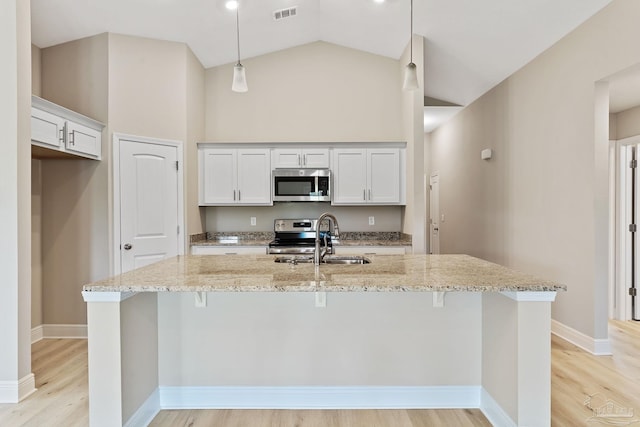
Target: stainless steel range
(297,236)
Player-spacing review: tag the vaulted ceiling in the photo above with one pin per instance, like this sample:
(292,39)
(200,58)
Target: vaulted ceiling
(470,46)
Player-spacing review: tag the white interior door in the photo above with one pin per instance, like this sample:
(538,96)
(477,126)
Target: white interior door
(434,214)
(149,227)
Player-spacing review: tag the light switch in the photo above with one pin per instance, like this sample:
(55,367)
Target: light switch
(442,218)
(253,221)
(372,220)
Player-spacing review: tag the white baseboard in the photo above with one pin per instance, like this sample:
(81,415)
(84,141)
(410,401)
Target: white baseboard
(597,347)
(58,331)
(37,334)
(147,412)
(319,397)
(15,391)
(494,412)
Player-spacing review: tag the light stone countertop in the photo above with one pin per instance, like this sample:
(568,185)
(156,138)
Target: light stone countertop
(386,273)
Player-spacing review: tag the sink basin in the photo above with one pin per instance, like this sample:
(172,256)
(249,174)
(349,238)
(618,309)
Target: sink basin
(329,259)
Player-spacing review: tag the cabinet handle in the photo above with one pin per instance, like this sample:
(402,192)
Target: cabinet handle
(369,194)
(299,164)
(304,159)
(239,198)
(61,135)
(71,138)
(364,195)
(234,195)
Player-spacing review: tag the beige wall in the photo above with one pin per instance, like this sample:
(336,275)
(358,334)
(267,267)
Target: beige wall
(317,92)
(195,91)
(15,209)
(36,206)
(627,123)
(540,205)
(36,70)
(36,243)
(75,226)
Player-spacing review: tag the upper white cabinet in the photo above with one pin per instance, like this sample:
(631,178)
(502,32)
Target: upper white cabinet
(368,176)
(234,176)
(64,131)
(312,158)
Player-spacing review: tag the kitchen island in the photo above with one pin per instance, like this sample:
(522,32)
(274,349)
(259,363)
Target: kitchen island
(409,331)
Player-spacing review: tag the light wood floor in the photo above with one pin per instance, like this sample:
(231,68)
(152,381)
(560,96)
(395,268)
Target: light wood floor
(60,367)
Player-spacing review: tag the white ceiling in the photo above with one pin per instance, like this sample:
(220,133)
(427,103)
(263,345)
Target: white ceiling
(471,45)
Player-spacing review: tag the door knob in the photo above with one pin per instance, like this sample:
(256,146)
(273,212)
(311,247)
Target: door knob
(127,246)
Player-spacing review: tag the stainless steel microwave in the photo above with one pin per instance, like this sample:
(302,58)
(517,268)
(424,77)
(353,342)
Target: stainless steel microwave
(301,185)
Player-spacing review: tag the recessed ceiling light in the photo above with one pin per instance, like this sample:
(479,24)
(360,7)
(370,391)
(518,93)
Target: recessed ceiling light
(231,4)
(379,1)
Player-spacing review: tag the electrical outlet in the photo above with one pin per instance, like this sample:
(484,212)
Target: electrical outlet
(253,221)
(372,220)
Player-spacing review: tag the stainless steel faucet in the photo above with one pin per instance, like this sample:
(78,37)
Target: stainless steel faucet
(318,254)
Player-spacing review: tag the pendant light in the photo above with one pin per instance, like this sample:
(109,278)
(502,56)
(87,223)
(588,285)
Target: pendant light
(410,72)
(239,77)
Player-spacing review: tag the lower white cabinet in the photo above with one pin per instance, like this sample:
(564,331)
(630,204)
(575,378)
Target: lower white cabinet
(234,176)
(64,131)
(228,250)
(369,250)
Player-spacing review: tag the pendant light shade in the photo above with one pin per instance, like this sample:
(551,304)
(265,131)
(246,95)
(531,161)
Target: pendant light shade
(410,71)
(410,77)
(239,79)
(239,76)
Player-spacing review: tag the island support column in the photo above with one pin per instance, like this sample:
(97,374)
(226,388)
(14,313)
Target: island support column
(123,357)
(516,358)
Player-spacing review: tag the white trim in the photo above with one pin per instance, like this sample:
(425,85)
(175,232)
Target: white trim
(16,391)
(97,296)
(597,347)
(117,137)
(58,331)
(146,412)
(319,397)
(37,334)
(531,296)
(494,412)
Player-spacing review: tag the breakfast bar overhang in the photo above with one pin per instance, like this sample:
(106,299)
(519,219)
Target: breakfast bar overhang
(406,331)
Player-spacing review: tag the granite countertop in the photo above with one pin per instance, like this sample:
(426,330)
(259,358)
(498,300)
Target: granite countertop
(386,273)
(236,239)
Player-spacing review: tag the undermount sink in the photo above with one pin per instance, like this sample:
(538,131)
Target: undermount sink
(329,259)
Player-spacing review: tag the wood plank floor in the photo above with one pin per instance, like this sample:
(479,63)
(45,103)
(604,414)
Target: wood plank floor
(60,367)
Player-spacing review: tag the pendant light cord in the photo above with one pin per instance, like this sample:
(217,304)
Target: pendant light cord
(411,34)
(238,33)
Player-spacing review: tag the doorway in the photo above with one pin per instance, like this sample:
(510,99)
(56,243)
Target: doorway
(148,207)
(434,213)
(625,303)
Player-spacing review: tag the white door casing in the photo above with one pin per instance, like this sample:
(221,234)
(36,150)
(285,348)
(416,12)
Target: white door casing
(148,208)
(434,214)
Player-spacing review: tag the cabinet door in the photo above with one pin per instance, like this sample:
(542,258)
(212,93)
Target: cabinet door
(83,140)
(254,177)
(46,128)
(315,158)
(349,176)
(286,158)
(383,173)
(218,176)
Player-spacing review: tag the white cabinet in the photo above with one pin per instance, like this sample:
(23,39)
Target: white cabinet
(228,250)
(64,131)
(311,158)
(370,250)
(231,176)
(368,176)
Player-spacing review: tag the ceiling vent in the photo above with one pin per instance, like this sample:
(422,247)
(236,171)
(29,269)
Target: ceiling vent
(289,12)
